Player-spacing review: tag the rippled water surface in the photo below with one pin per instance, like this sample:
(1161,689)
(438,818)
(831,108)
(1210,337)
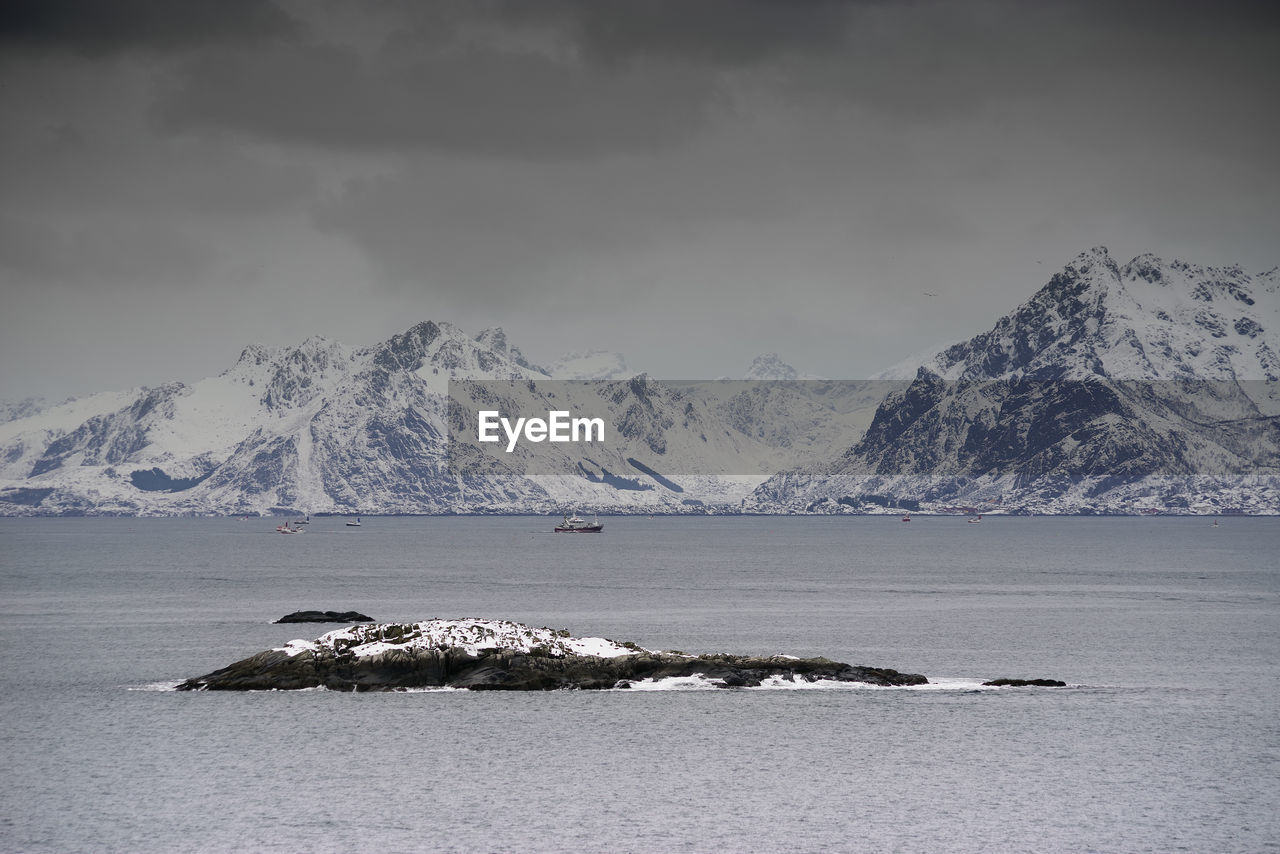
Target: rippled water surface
(1167,739)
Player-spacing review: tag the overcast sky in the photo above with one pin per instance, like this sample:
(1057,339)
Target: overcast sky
(689,182)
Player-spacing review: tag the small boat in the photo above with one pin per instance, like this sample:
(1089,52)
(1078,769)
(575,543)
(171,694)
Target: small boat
(579,526)
(355,524)
(289,528)
(906,518)
(974,520)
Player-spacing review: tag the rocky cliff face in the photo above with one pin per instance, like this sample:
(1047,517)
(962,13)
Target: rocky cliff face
(1115,388)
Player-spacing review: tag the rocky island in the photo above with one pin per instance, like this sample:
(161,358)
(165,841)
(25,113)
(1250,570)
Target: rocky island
(325,617)
(505,656)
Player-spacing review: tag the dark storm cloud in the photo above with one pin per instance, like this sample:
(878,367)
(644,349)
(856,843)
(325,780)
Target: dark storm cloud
(97,27)
(564,79)
(788,174)
(904,119)
(544,80)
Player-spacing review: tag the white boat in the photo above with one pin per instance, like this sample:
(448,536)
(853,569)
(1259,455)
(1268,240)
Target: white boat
(975,520)
(355,524)
(289,528)
(579,526)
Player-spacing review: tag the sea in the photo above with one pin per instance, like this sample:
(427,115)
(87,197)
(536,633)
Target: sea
(1166,738)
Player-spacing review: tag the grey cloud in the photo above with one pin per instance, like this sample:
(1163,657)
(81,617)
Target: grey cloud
(67,168)
(500,229)
(547,80)
(95,27)
(733,33)
(101,255)
(521,105)
(682,180)
(565,79)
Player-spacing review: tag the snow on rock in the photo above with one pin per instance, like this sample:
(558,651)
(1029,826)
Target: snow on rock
(1148,319)
(769,366)
(495,339)
(471,635)
(1148,386)
(322,427)
(590,365)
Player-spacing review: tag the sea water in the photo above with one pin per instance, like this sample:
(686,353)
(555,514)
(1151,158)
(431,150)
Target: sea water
(1166,629)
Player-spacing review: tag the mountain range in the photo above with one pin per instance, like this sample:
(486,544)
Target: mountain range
(1146,387)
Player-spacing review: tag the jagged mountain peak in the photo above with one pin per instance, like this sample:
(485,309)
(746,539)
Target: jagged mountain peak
(406,350)
(495,338)
(254,354)
(321,427)
(769,366)
(1147,319)
(295,375)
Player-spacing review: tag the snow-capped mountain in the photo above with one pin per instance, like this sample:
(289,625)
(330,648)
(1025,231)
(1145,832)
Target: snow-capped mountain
(24,408)
(1147,320)
(1114,388)
(322,427)
(769,366)
(1146,386)
(318,426)
(495,339)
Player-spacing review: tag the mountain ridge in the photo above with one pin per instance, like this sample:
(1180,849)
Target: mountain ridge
(1112,388)
(1107,375)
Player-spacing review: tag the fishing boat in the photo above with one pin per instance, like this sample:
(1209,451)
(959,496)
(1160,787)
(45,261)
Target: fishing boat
(355,524)
(577,525)
(289,528)
(975,520)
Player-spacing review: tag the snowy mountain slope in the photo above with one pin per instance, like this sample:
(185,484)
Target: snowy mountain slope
(25,439)
(325,428)
(1146,320)
(24,408)
(1150,385)
(769,366)
(1112,384)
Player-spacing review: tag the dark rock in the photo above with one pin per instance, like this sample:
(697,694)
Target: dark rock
(1022,683)
(325,617)
(510,670)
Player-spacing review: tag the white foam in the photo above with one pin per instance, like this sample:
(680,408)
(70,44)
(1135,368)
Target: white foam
(781,683)
(674,683)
